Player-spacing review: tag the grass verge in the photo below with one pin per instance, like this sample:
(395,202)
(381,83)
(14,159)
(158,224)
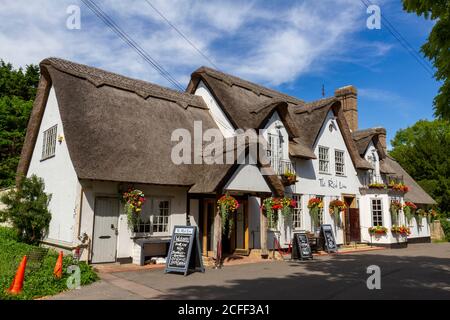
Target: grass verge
(41,282)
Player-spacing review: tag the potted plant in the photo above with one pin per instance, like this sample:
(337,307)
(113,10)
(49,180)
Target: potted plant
(377,185)
(401,230)
(315,205)
(227,205)
(394,209)
(409,208)
(378,230)
(134,199)
(289,177)
(336,207)
(431,215)
(401,187)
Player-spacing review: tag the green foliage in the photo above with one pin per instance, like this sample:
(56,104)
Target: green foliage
(17,92)
(446,227)
(437,47)
(423,150)
(27,209)
(14,114)
(41,282)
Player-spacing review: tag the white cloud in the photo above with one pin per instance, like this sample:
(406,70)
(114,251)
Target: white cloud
(251,39)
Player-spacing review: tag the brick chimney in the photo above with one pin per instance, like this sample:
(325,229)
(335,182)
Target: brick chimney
(348,96)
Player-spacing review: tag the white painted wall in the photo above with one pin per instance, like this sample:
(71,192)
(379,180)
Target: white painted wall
(276,126)
(92,189)
(331,186)
(58,174)
(247,177)
(216,111)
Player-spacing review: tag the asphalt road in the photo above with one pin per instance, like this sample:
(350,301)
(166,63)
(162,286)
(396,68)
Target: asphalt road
(422,271)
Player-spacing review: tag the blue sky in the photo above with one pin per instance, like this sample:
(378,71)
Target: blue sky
(292,46)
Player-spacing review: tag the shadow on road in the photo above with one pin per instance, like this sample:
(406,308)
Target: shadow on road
(337,277)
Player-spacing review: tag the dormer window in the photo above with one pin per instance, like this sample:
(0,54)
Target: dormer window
(49,142)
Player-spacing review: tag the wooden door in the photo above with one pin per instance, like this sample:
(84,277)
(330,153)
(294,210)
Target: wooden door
(106,218)
(208,227)
(355,229)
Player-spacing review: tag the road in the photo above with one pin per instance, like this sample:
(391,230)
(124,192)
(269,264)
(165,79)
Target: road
(422,271)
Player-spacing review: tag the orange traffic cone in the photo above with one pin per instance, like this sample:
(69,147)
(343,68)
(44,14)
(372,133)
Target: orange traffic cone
(57,272)
(17,284)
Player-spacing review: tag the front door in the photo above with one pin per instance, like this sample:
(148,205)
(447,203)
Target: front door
(106,218)
(355,229)
(238,242)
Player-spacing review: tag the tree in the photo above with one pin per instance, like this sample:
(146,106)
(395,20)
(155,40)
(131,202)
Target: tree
(17,92)
(14,114)
(423,150)
(27,209)
(437,47)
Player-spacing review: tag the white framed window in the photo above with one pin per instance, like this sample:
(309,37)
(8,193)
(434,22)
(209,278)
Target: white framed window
(297,212)
(324,159)
(377,212)
(144,221)
(274,150)
(339,162)
(161,213)
(321,210)
(49,142)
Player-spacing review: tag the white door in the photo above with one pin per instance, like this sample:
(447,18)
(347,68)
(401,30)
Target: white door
(106,218)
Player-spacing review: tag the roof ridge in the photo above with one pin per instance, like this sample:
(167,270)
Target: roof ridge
(254,87)
(142,88)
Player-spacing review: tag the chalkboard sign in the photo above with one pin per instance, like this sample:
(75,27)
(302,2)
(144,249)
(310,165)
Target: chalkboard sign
(326,232)
(184,252)
(300,247)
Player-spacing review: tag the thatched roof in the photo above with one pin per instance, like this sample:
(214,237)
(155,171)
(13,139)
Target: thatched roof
(363,138)
(415,194)
(119,129)
(249,105)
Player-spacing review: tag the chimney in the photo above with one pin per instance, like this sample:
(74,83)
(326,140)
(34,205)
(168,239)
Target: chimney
(348,96)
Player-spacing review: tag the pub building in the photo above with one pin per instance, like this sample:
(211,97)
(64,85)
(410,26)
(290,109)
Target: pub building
(103,144)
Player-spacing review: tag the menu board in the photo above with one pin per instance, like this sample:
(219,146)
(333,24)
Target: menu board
(184,252)
(300,247)
(328,237)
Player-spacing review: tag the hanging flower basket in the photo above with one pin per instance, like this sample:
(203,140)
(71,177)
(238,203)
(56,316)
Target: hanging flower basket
(409,209)
(315,205)
(289,178)
(401,230)
(394,210)
(336,207)
(272,205)
(227,205)
(134,199)
(378,230)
